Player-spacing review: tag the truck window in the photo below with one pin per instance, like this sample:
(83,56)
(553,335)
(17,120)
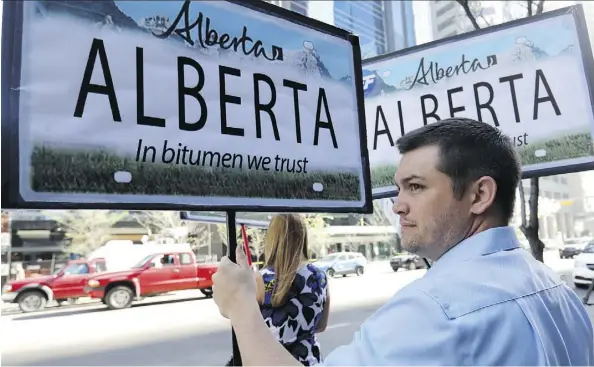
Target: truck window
(185,259)
(168,260)
(100,266)
(74,269)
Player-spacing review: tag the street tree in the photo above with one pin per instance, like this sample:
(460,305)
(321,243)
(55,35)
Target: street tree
(87,229)
(256,246)
(530,224)
(317,233)
(256,238)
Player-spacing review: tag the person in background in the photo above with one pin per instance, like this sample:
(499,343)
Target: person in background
(484,302)
(292,294)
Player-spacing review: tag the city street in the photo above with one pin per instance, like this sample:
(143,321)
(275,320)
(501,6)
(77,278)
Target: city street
(167,331)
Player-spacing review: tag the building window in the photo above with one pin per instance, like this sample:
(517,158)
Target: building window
(563,180)
(446,8)
(448,22)
(366,19)
(487,11)
(299,6)
(450,34)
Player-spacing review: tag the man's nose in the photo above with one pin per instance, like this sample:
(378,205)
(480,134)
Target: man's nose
(399,207)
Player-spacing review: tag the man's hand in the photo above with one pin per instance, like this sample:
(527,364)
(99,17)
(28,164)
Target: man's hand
(234,285)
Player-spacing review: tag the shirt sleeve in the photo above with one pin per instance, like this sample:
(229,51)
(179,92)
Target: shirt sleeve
(411,329)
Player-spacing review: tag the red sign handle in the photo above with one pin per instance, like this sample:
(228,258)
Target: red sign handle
(246,245)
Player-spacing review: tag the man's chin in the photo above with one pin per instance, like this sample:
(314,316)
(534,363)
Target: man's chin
(412,248)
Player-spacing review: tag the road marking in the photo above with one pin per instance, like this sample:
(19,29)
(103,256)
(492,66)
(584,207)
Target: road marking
(338,325)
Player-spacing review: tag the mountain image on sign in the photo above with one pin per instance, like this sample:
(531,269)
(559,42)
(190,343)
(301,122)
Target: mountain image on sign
(508,51)
(308,61)
(526,51)
(95,11)
(107,13)
(374,85)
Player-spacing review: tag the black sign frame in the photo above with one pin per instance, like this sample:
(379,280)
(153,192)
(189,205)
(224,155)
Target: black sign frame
(12,32)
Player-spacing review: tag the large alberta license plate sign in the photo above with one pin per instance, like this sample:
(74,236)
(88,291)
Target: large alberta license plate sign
(529,79)
(165,104)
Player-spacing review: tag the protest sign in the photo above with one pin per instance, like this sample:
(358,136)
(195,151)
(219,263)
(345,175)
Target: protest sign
(215,105)
(530,78)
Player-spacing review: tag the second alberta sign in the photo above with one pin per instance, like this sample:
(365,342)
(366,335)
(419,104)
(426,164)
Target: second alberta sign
(530,78)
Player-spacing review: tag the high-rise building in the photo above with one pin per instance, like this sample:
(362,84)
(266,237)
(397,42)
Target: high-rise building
(365,18)
(382,26)
(448,18)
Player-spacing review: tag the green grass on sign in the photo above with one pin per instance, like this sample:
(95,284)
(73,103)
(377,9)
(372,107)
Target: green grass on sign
(68,171)
(383,176)
(565,147)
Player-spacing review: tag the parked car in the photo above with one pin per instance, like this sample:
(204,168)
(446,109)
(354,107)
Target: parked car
(407,261)
(32,294)
(157,273)
(573,247)
(583,269)
(342,263)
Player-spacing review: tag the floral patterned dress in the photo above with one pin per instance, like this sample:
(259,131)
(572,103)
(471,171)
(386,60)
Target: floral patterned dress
(294,324)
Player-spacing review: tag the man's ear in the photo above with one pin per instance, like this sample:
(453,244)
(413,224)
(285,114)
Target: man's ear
(483,193)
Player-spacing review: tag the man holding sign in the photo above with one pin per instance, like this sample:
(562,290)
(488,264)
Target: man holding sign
(485,301)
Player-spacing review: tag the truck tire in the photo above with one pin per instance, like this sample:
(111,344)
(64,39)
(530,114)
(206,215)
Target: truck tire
(119,297)
(207,292)
(32,300)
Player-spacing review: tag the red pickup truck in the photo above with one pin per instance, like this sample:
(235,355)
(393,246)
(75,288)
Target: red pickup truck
(155,274)
(32,294)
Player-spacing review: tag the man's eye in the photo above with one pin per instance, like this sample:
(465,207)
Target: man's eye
(415,187)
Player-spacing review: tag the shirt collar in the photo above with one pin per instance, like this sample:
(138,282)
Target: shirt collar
(484,243)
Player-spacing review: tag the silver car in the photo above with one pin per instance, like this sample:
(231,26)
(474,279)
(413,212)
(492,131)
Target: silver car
(342,263)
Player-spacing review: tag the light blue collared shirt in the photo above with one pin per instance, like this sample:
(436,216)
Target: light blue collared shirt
(485,302)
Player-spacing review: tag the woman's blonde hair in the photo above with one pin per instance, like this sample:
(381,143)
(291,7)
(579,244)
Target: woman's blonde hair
(285,251)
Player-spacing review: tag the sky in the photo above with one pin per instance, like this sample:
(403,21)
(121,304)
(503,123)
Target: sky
(335,55)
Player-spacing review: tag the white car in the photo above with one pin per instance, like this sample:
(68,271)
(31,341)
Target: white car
(573,246)
(583,270)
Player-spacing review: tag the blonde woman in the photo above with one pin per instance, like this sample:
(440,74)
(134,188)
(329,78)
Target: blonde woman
(293,294)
